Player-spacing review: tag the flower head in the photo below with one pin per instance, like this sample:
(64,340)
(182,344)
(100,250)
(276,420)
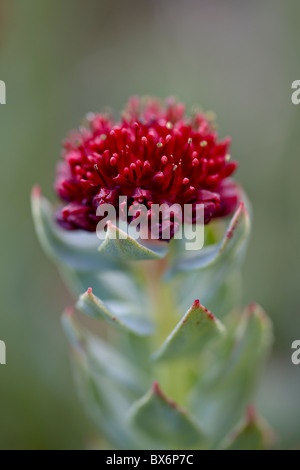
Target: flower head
(155,154)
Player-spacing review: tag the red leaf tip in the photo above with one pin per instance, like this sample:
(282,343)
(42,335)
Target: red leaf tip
(89,291)
(235,220)
(158,391)
(208,312)
(156,387)
(252,306)
(251,414)
(36,191)
(69,311)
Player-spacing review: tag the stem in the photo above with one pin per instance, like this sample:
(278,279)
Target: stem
(173,376)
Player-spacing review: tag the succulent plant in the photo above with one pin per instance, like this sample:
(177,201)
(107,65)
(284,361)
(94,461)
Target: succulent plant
(163,371)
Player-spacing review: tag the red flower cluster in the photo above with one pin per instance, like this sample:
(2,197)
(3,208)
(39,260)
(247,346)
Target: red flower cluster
(154,154)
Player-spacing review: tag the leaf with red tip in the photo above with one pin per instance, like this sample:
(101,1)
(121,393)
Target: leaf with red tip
(221,396)
(108,382)
(194,331)
(102,358)
(218,287)
(76,249)
(106,284)
(252,434)
(124,315)
(228,249)
(119,244)
(208,272)
(161,424)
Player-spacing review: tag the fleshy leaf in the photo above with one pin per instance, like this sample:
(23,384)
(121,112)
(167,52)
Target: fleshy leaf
(218,287)
(106,284)
(253,434)
(124,315)
(103,359)
(163,424)
(222,394)
(122,246)
(76,249)
(196,329)
(107,382)
(229,247)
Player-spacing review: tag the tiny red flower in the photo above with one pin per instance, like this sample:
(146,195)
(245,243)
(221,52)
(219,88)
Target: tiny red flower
(154,154)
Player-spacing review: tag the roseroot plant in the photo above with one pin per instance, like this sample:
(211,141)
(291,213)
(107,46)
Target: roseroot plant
(162,371)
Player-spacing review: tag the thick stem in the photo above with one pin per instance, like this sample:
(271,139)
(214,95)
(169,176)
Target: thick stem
(173,376)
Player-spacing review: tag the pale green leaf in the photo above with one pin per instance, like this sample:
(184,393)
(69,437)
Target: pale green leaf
(193,333)
(229,249)
(125,315)
(77,249)
(231,374)
(119,244)
(107,382)
(252,434)
(162,424)
(106,284)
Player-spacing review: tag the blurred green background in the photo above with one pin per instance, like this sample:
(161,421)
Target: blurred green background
(62,58)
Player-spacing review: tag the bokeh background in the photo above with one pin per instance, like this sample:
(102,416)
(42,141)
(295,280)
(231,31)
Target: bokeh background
(60,59)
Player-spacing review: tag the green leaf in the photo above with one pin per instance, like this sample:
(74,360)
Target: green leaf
(107,382)
(230,248)
(162,424)
(207,274)
(106,284)
(252,434)
(224,389)
(102,358)
(196,329)
(125,315)
(76,249)
(218,287)
(120,245)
